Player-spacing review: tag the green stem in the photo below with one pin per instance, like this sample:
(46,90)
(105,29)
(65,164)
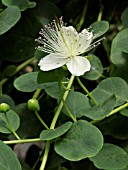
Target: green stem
(45,157)
(11,128)
(61,103)
(64,87)
(39,140)
(118,109)
(65,106)
(85,89)
(40,119)
(44,160)
(36,94)
(111,113)
(79,25)
(69,113)
(1,90)
(20,67)
(37,161)
(3,81)
(101,11)
(22,141)
(101,75)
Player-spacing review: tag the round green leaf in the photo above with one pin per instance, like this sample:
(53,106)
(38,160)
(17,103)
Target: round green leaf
(53,91)
(28,83)
(99,27)
(22,4)
(51,76)
(21,39)
(55,133)
(77,103)
(124,112)
(120,70)
(119,50)
(13,119)
(124,18)
(122,40)
(9,71)
(7,99)
(117,127)
(45,11)
(117,56)
(110,157)
(81,141)
(8,159)
(101,111)
(8,18)
(96,69)
(108,87)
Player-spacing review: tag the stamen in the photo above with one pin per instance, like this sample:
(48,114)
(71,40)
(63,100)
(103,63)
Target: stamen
(95,44)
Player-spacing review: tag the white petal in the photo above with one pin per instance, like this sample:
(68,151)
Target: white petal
(71,38)
(78,65)
(85,38)
(52,61)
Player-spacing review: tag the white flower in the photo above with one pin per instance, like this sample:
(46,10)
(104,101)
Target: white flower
(65,45)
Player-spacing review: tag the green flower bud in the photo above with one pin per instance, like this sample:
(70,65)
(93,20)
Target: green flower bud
(64,67)
(4,107)
(89,57)
(33,105)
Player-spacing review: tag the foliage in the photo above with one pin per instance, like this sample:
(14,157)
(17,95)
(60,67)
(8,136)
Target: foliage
(82,121)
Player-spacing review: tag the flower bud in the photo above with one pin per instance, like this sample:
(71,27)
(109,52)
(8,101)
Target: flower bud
(4,107)
(89,57)
(33,105)
(64,67)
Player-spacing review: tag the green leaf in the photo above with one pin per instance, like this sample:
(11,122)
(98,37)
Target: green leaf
(120,70)
(39,54)
(53,90)
(101,111)
(45,11)
(77,103)
(21,39)
(124,18)
(108,87)
(117,127)
(79,143)
(22,4)
(55,133)
(99,27)
(124,112)
(121,169)
(29,124)
(51,76)
(8,100)
(117,56)
(13,119)
(72,8)
(96,69)
(8,18)
(8,159)
(110,157)
(9,71)
(28,83)
(121,40)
